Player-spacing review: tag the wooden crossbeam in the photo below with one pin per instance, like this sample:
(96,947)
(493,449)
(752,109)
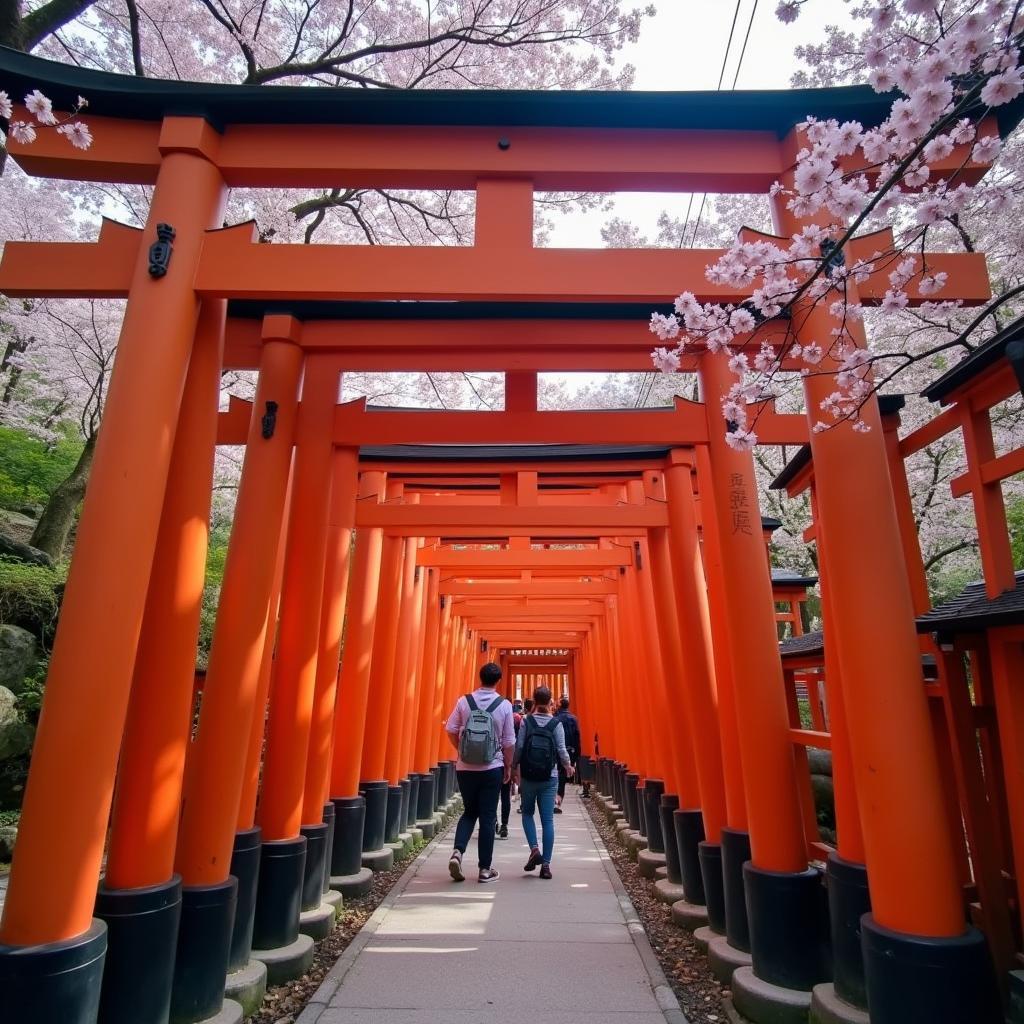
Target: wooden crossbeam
(234,265)
(582,561)
(536,588)
(433,520)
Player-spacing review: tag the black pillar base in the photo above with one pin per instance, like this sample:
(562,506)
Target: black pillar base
(688,826)
(393,814)
(848,901)
(941,981)
(245,866)
(346,853)
(668,807)
(453,779)
(735,853)
(425,797)
(329,853)
(620,787)
(204,944)
(710,857)
(405,788)
(314,866)
(641,809)
(653,791)
(142,934)
(632,804)
(786,911)
(413,801)
(442,786)
(56,982)
(376,796)
(279,893)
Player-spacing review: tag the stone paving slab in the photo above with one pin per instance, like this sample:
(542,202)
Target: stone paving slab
(553,952)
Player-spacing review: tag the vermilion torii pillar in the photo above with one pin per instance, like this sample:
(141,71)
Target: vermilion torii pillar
(377,141)
(914,906)
(774,891)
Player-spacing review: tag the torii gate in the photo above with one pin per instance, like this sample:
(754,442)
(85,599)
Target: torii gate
(119,689)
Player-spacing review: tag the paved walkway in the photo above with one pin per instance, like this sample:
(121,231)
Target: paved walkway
(565,951)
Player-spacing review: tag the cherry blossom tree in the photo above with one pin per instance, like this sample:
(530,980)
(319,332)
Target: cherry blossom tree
(370,44)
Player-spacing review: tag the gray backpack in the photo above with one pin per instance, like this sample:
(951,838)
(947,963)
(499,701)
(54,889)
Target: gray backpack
(478,743)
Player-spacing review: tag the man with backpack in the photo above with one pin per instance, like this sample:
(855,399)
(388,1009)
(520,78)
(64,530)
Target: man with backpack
(540,748)
(571,727)
(480,729)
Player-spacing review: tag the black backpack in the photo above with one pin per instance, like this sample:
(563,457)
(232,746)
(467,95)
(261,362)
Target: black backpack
(539,750)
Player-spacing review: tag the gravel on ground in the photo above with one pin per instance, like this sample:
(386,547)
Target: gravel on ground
(684,963)
(284,1003)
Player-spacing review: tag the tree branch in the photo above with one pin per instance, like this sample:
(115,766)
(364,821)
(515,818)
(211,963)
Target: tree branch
(35,27)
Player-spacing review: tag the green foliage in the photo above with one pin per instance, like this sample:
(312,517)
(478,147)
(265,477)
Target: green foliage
(30,469)
(1015,522)
(803,706)
(216,556)
(9,818)
(30,595)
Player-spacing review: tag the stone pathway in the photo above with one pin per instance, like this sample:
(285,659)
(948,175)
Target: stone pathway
(565,951)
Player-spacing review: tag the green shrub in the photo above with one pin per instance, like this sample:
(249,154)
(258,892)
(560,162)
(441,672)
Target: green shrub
(30,595)
(30,469)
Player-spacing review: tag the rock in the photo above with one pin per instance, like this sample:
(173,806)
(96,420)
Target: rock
(8,835)
(32,512)
(824,799)
(819,761)
(15,732)
(17,656)
(24,552)
(17,522)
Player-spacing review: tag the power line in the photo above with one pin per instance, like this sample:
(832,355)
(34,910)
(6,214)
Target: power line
(735,79)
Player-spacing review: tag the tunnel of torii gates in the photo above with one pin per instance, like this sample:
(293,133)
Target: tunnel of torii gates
(165,848)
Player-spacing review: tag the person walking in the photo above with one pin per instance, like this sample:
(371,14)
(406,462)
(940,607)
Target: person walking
(509,784)
(480,728)
(527,710)
(571,727)
(540,748)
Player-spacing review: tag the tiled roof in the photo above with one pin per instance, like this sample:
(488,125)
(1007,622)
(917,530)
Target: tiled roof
(972,610)
(801,646)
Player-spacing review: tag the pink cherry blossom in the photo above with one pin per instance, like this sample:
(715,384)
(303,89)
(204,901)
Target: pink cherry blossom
(77,134)
(665,360)
(665,327)
(5,106)
(23,132)
(788,11)
(38,104)
(1002,88)
(741,440)
(986,149)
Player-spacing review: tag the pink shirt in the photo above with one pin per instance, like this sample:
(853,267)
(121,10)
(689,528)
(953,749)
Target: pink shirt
(503,723)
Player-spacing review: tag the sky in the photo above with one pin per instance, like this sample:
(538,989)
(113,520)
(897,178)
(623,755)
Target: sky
(682,47)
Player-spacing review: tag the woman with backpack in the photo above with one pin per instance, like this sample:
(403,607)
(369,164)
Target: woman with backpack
(540,747)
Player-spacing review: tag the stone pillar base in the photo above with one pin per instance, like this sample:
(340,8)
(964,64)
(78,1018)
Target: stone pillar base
(634,844)
(379,860)
(648,862)
(703,936)
(351,886)
(318,923)
(668,892)
(726,959)
(248,986)
(427,828)
(828,1008)
(764,1003)
(230,1013)
(286,963)
(690,917)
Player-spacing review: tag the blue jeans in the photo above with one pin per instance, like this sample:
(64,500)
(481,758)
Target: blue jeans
(541,794)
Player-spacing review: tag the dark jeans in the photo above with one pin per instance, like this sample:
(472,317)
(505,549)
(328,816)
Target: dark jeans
(562,777)
(506,802)
(479,801)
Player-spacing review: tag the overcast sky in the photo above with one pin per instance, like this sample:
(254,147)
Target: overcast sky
(682,47)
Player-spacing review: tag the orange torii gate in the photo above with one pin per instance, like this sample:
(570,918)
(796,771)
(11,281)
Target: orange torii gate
(220,843)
